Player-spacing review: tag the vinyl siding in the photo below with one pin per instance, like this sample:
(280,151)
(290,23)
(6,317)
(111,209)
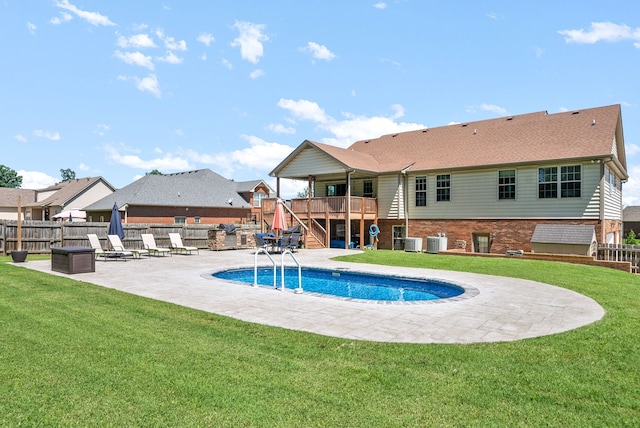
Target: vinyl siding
(311,161)
(474,194)
(612,197)
(390,197)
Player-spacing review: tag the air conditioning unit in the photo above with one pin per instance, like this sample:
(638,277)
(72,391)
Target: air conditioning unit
(413,244)
(436,244)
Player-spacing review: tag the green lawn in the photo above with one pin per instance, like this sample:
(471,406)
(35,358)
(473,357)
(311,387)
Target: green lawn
(74,354)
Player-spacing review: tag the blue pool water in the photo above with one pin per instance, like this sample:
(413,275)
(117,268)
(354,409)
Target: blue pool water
(349,284)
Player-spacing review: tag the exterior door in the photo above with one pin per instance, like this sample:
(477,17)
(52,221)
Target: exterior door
(480,243)
(398,238)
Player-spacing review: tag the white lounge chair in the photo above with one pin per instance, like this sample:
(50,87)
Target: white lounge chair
(149,243)
(177,246)
(94,241)
(116,245)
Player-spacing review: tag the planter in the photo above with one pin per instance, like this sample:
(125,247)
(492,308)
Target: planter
(19,256)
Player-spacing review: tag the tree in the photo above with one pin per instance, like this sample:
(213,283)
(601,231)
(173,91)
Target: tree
(9,178)
(155,172)
(67,174)
(304,193)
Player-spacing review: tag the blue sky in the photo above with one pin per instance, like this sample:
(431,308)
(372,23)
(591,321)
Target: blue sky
(118,88)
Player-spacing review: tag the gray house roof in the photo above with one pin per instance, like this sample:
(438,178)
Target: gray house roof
(250,186)
(631,214)
(199,188)
(564,234)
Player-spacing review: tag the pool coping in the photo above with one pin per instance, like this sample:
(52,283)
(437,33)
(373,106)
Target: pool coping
(504,309)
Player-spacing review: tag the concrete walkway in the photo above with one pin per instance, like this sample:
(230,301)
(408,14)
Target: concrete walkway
(493,309)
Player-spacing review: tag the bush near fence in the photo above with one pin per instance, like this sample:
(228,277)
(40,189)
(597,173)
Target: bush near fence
(38,237)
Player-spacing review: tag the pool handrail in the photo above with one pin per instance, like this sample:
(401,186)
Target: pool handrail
(299,289)
(255,267)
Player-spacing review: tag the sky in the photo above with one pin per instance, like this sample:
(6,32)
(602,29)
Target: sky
(119,88)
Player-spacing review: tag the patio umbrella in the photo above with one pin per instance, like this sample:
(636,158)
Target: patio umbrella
(279,220)
(115,225)
(71,213)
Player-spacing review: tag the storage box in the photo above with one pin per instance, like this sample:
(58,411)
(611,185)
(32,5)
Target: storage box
(72,260)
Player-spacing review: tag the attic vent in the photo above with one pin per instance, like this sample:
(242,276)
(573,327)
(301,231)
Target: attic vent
(475,131)
(510,118)
(575,112)
(394,135)
(366,142)
(464,124)
(425,130)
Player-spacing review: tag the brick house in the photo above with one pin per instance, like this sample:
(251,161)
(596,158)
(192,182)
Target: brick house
(484,185)
(199,196)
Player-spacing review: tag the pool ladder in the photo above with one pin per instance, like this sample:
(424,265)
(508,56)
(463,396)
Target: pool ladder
(298,290)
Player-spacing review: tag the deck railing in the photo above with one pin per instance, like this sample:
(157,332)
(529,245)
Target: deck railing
(320,207)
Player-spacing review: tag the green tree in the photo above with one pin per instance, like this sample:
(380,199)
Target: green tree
(304,193)
(67,174)
(9,178)
(155,172)
(631,238)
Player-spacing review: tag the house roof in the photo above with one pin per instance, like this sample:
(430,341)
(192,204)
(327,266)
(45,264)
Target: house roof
(631,214)
(576,234)
(594,133)
(9,197)
(65,191)
(250,186)
(199,188)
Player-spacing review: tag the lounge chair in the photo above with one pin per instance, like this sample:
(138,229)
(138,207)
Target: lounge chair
(177,246)
(149,243)
(106,254)
(116,245)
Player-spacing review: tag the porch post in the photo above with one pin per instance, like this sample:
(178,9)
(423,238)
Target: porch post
(278,187)
(347,228)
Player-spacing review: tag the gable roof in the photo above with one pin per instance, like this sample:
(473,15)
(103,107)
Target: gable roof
(66,191)
(531,138)
(250,186)
(575,234)
(199,188)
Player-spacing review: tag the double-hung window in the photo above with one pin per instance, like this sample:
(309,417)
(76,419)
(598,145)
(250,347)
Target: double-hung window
(443,187)
(257,198)
(421,191)
(568,182)
(507,184)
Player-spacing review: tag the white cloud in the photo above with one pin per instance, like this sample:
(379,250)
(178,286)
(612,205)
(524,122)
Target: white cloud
(31,27)
(93,18)
(35,179)
(101,129)
(168,162)
(20,138)
(250,40)
(318,51)
(149,84)
(494,109)
(170,42)
(631,149)
(137,41)
(84,167)
(539,52)
(351,127)
(380,5)
(602,31)
(203,57)
(170,58)
(493,15)
(631,189)
(54,136)
(227,64)
(64,17)
(135,58)
(281,129)
(256,73)
(206,38)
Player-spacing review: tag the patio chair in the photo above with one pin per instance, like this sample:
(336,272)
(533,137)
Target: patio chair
(261,242)
(106,254)
(116,245)
(177,246)
(293,242)
(149,243)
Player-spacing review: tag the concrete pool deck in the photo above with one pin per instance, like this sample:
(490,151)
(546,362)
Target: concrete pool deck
(496,309)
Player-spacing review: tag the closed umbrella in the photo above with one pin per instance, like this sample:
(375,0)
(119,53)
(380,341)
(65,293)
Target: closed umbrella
(115,225)
(279,220)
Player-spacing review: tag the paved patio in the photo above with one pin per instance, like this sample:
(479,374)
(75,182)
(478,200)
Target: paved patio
(495,308)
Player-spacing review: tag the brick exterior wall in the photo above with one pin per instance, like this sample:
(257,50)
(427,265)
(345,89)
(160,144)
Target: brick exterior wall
(509,234)
(165,215)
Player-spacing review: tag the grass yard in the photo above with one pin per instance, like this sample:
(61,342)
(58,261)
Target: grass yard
(75,354)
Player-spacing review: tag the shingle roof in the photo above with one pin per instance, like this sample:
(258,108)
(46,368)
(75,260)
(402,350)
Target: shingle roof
(9,196)
(250,186)
(67,190)
(563,234)
(520,139)
(631,213)
(199,188)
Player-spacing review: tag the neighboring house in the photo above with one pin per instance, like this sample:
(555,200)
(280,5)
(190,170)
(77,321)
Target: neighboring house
(43,204)
(631,220)
(199,196)
(485,185)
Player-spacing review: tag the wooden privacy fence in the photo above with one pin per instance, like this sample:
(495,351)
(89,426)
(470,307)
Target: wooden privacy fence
(38,237)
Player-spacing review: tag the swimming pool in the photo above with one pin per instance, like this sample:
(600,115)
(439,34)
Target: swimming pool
(352,285)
